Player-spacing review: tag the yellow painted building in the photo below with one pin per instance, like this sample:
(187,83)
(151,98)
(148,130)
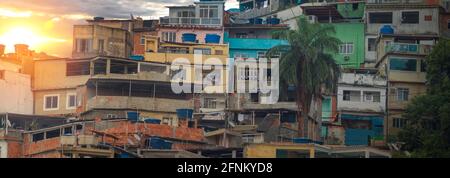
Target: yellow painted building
(292,150)
(212,57)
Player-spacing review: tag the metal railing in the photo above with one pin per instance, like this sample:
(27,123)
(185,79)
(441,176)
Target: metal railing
(190,21)
(406,48)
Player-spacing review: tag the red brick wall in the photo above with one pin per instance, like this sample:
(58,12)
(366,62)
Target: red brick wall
(122,128)
(14,149)
(139,49)
(31,148)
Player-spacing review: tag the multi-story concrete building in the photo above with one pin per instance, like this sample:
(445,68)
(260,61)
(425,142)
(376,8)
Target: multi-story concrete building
(401,59)
(202,19)
(402,33)
(347,19)
(93,39)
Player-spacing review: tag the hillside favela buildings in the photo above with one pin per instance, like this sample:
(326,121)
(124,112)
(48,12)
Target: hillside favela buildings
(114,96)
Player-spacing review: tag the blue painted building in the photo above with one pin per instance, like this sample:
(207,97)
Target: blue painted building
(251,40)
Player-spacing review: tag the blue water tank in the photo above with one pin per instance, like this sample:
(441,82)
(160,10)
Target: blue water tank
(212,38)
(301,140)
(273,21)
(387,29)
(152,121)
(189,37)
(258,20)
(158,143)
(133,116)
(137,57)
(185,113)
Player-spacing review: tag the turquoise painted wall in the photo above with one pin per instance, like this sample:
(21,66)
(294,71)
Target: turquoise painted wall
(250,46)
(351,33)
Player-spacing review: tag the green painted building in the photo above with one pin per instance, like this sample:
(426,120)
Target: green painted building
(351,51)
(347,19)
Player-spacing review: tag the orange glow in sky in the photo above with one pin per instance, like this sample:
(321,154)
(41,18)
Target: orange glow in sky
(25,35)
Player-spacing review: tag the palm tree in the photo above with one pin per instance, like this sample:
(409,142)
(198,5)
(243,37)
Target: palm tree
(307,63)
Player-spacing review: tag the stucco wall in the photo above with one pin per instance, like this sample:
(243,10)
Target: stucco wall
(15,93)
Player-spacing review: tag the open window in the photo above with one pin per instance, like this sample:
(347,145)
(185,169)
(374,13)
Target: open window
(410,17)
(380,17)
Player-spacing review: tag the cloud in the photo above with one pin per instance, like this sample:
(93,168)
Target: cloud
(89,8)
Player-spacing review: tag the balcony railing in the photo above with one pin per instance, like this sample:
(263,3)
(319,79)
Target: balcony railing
(405,2)
(406,48)
(190,21)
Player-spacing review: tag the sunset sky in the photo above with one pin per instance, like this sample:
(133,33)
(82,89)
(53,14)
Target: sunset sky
(46,25)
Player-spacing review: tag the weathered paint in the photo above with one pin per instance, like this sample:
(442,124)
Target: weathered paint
(350,33)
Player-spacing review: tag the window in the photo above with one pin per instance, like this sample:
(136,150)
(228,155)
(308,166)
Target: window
(370,96)
(403,64)
(206,51)
(240,55)
(219,52)
(402,94)
(241,35)
(261,54)
(185,14)
(380,17)
(346,48)
(371,44)
(142,41)
(71,101)
(209,103)
(101,46)
(423,66)
(52,134)
(169,36)
(51,102)
(399,123)
(111,116)
(166,120)
(77,68)
(83,45)
(2,74)
(410,17)
(352,95)
(209,12)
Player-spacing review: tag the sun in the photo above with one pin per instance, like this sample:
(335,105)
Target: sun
(24,35)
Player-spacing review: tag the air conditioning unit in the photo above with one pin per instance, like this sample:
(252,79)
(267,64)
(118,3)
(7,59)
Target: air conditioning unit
(346,58)
(312,19)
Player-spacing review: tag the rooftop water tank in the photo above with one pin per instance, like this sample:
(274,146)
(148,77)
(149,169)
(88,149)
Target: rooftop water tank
(137,57)
(273,21)
(387,29)
(251,21)
(99,18)
(133,116)
(185,113)
(152,121)
(212,38)
(258,20)
(189,37)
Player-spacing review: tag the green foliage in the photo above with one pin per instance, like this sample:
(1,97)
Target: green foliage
(304,63)
(428,131)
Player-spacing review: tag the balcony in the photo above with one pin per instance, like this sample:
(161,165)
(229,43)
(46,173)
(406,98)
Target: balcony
(255,12)
(405,48)
(144,103)
(405,2)
(190,21)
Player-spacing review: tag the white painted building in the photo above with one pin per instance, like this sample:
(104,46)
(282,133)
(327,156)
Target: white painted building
(15,91)
(361,92)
